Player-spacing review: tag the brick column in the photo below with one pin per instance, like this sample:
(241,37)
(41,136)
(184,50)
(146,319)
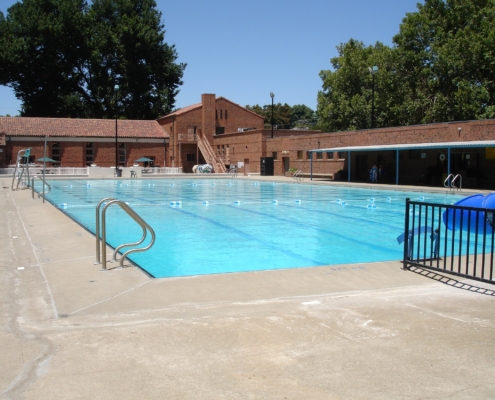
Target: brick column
(208,122)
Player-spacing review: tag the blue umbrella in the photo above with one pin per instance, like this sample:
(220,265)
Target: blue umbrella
(144,159)
(45,159)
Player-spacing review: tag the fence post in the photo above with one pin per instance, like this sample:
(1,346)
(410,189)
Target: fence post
(406,235)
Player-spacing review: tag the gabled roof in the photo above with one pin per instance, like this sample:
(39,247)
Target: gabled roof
(183,110)
(69,127)
(235,104)
(197,106)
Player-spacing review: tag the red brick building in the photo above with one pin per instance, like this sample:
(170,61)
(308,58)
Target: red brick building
(222,132)
(82,142)
(213,117)
(470,145)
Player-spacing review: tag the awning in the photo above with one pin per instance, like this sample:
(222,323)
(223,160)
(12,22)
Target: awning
(411,146)
(403,146)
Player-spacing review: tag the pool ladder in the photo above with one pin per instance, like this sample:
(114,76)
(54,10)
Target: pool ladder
(107,202)
(42,193)
(233,172)
(298,177)
(448,183)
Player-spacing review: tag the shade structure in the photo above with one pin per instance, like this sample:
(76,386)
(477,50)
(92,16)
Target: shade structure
(45,159)
(143,159)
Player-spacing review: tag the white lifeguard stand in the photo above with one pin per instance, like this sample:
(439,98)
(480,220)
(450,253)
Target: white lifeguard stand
(21,170)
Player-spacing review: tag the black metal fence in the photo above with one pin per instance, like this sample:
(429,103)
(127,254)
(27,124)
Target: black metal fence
(454,239)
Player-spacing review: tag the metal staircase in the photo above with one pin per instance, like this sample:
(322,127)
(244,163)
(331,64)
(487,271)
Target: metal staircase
(209,154)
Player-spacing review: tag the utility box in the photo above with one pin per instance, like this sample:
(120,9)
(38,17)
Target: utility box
(266,166)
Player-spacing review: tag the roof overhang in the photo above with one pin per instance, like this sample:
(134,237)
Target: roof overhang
(411,146)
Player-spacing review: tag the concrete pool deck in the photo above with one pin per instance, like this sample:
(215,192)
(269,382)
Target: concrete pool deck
(370,331)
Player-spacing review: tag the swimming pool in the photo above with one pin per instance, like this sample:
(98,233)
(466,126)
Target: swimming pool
(207,226)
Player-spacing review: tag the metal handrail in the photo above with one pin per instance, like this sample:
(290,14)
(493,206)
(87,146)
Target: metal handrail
(42,194)
(144,225)
(233,171)
(446,183)
(452,186)
(451,183)
(298,176)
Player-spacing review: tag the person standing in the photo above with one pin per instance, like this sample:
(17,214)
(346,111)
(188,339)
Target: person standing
(374,174)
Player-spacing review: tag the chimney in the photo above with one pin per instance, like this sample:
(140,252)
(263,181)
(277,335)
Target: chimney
(208,122)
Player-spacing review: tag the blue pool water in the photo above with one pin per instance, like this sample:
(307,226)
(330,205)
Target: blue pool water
(212,226)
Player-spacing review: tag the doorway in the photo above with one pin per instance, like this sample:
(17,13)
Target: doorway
(286,162)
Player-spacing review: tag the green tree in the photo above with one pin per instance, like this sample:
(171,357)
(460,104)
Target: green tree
(39,45)
(345,102)
(302,116)
(284,116)
(446,54)
(441,68)
(63,58)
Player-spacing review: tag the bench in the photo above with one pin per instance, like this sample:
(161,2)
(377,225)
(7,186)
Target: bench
(318,175)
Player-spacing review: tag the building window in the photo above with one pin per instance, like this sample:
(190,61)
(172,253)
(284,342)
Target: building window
(319,156)
(220,114)
(191,157)
(308,155)
(341,155)
(274,155)
(216,114)
(226,115)
(56,153)
(90,153)
(220,130)
(330,155)
(218,150)
(122,155)
(300,154)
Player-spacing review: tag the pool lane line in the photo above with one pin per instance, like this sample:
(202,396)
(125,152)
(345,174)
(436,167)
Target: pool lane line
(248,236)
(330,233)
(352,219)
(293,255)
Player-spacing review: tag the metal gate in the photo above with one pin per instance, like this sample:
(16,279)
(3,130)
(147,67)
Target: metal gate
(453,239)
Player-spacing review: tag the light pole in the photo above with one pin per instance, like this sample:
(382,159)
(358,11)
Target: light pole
(116,90)
(373,70)
(272,96)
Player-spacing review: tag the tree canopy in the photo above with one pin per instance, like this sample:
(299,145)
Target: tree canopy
(440,68)
(285,116)
(63,58)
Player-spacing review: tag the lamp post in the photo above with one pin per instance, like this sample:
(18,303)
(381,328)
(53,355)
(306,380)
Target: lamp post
(373,70)
(116,90)
(272,96)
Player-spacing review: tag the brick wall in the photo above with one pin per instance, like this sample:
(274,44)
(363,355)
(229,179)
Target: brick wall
(214,113)
(73,154)
(415,167)
(208,116)
(231,117)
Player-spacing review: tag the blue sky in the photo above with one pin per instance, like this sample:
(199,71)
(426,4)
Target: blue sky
(245,49)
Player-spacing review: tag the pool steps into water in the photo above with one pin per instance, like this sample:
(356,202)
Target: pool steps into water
(106,202)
